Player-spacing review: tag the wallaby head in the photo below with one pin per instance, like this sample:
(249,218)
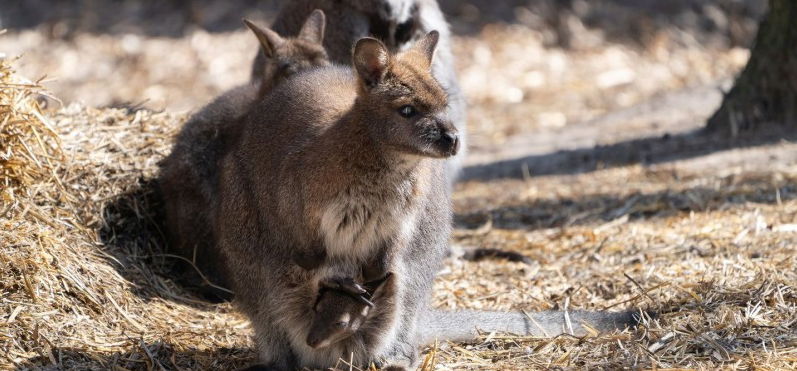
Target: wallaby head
(338,314)
(394,10)
(403,104)
(286,56)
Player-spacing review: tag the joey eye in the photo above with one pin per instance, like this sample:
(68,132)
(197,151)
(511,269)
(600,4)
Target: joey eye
(287,68)
(407,111)
(341,324)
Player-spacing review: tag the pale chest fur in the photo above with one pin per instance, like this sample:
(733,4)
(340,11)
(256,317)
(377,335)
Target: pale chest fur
(358,220)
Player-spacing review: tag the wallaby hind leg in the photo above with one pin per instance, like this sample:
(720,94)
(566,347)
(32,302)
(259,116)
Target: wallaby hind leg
(274,353)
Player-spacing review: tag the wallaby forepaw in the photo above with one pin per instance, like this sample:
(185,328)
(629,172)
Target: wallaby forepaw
(345,284)
(348,286)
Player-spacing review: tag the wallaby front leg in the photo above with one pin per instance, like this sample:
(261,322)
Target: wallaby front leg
(379,266)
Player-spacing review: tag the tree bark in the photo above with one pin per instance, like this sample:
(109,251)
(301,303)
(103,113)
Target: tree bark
(765,93)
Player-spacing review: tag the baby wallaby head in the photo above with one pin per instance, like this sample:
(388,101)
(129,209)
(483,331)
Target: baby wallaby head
(286,56)
(338,314)
(404,107)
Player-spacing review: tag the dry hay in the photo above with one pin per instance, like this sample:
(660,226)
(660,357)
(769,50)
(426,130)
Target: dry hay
(78,253)
(85,285)
(29,149)
(712,252)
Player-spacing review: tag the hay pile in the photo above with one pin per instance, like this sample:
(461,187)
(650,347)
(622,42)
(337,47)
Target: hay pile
(79,258)
(29,149)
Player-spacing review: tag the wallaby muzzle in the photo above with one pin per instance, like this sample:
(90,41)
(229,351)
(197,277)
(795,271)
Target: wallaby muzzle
(448,141)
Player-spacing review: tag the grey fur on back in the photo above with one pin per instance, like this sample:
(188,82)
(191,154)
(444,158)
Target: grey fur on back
(187,184)
(351,20)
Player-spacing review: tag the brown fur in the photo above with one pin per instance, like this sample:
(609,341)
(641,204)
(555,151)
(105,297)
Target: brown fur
(281,58)
(188,175)
(333,152)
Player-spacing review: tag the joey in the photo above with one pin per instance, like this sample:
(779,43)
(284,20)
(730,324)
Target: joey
(338,314)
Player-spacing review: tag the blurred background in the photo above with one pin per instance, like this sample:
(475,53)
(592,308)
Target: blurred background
(533,67)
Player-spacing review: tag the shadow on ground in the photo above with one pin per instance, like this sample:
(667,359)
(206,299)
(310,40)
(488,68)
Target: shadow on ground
(144,356)
(136,245)
(603,208)
(645,151)
(135,242)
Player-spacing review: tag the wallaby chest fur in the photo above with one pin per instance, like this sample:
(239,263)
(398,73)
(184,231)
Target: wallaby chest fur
(327,175)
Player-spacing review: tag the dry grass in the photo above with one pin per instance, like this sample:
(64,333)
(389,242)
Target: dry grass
(29,149)
(713,254)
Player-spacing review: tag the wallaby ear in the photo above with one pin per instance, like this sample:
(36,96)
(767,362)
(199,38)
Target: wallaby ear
(428,45)
(313,28)
(385,284)
(371,60)
(269,39)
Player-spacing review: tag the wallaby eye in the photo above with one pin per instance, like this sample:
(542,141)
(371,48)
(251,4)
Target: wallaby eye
(407,111)
(341,324)
(287,68)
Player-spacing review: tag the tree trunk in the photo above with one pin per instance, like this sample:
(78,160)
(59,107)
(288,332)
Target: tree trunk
(765,93)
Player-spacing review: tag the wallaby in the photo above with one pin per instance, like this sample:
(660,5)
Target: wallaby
(188,174)
(338,314)
(342,161)
(395,22)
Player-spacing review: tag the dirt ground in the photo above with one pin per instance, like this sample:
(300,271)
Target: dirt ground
(584,157)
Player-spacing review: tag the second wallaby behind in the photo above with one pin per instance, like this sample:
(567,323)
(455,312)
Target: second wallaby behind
(188,176)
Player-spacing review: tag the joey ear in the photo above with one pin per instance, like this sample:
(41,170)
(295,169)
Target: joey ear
(313,28)
(268,39)
(427,45)
(378,287)
(371,60)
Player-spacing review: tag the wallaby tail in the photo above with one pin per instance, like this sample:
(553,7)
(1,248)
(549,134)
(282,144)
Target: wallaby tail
(465,325)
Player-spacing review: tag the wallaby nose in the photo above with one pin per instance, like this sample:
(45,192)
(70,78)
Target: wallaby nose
(313,342)
(450,142)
